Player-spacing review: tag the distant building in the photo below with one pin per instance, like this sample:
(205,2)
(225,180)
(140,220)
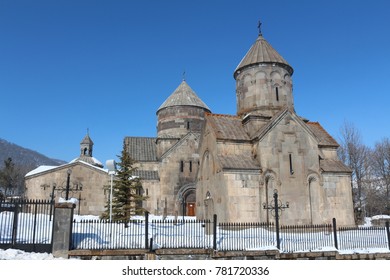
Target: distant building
(87,181)
(203,164)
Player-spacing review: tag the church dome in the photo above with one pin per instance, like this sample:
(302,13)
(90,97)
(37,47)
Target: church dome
(181,113)
(262,52)
(183,96)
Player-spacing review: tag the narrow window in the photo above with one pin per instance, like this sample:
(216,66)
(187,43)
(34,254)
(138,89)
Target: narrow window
(277,93)
(188,125)
(291,164)
(190,166)
(181,166)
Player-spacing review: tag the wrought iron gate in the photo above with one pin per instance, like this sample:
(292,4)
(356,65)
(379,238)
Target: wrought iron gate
(26,225)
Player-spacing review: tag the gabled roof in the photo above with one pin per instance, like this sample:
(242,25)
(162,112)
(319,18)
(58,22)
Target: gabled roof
(238,162)
(227,127)
(324,138)
(183,96)
(48,169)
(314,128)
(180,142)
(88,159)
(142,148)
(262,52)
(275,120)
(332,165)
(147,174)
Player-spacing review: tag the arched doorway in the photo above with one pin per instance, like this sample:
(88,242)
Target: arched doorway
(191,204)
(186,198)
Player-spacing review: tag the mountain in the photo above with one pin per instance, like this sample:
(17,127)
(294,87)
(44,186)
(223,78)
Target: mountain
(24,157)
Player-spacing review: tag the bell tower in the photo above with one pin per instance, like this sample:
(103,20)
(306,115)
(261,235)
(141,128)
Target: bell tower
(263,81)
(86,146)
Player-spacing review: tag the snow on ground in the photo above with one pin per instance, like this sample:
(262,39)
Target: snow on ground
(12,254)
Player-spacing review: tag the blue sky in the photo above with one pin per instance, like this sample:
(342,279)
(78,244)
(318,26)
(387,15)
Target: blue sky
(106,66)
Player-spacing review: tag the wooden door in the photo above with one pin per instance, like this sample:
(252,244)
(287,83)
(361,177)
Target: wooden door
(190,208)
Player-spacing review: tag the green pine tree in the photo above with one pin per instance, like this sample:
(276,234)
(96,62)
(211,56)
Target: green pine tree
(127,194)
(9,178)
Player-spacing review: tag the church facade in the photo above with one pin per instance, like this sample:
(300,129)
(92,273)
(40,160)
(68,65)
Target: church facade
(203,164)
(88,182)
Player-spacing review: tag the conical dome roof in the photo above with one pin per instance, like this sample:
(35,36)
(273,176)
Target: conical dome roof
(87,140)
(183,96)
(262,52)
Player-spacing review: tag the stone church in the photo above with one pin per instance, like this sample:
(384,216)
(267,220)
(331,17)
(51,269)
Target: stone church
(87,180)
(203,163)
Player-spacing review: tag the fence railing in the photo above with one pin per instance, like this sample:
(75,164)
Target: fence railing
(193,234)
(26,224)
(363,237)
(244,236)
(306,237)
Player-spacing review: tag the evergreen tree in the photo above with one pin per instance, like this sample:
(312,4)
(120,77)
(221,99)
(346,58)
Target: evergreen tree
(127,196)
(9,177)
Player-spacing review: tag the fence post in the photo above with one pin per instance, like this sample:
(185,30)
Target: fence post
(388,233)
(335,233)
(276,207)
(147,230)
(15,222)
(215,232)
(62,229)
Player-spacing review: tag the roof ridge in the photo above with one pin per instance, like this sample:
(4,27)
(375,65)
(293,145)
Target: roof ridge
(327,135)
(223,115)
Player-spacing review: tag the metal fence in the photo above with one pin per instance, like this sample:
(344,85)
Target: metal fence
(295,238)
(180,234)
(244,236)
(184,234)
(26,225)
(102,234)
(140,234)
(350,238)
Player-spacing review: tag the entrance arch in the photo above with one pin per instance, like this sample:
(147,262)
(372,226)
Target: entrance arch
(186,199)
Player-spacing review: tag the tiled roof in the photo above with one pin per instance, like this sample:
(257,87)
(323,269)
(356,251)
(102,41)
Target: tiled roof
(147,174)
(262,52)
(241,162)
(227,127)
(183,96)
(331,165)
(324,138)
(142,148)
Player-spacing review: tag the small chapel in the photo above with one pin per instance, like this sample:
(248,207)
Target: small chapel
(202,163)
(83,179)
